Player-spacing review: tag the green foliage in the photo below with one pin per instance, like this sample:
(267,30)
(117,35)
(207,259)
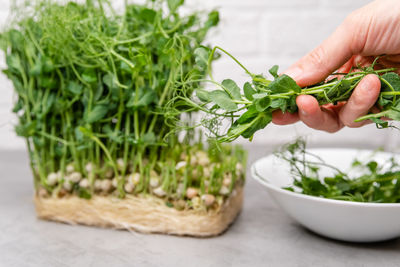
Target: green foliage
(261,97)
(378,183)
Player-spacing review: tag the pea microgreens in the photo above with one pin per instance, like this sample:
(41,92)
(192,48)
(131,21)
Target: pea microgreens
(93,86)
(379,183)
(250,108)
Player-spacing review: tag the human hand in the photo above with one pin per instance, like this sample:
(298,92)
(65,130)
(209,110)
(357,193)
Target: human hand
(366,33)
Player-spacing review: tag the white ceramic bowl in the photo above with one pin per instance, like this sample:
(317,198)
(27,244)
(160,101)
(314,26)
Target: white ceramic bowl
(342,220)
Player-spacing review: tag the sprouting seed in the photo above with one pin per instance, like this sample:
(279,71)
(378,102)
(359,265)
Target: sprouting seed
(191,192)
(67,185)
(89,167)
(180,165)
(70,168)
(98,185)
(208,199)
(52,179)
(154,181)
(120,164)
(224,190)
(114,182)
(106,185)
(129,187)
(159,192)
(75,177)
(84,183)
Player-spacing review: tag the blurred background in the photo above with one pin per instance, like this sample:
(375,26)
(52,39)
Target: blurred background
(260,34)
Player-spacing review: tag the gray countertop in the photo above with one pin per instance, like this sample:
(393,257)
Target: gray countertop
(262,236)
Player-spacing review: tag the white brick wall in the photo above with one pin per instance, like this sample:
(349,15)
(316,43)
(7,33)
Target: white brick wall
(260,33)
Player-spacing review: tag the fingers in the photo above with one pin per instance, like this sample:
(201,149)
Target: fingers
(280,118)
(316,117)
(361,101)
(326,58)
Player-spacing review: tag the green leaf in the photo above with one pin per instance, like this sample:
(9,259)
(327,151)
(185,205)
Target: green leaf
(148,15)
(75,88)
(393,79)
(149,138)
(48,65)
(213,19)
(51,99)
(232,89)
(280,103)
(17,40)
(174,4)
(201,56)
(89,76)
(97,113)
(108,80)
(148,97)
(85,131)
(203,95)
(223,100)
(262,104)
(36,70)
(284,84)
(248,91)
(248,116)
(83,193)
(14,63)
(3,42)
(78,134)
(47,82)
(274,71)
(26,130)
(262,120)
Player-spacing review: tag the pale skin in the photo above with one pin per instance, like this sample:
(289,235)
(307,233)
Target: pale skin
(368,32)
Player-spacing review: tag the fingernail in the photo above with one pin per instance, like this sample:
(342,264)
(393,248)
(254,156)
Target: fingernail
(294,73)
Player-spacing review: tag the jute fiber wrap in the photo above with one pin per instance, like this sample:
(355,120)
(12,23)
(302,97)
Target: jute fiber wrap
(146,214)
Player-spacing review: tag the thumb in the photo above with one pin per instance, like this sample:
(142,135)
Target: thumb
(336,50)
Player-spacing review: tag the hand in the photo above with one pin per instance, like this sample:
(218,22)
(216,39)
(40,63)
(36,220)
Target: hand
(366,33)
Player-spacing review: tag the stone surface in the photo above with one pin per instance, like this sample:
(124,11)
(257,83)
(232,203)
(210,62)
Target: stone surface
(262,236)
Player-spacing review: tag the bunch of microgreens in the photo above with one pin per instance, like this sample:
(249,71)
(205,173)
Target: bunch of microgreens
(379,183)
(250,109)
(92,89)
